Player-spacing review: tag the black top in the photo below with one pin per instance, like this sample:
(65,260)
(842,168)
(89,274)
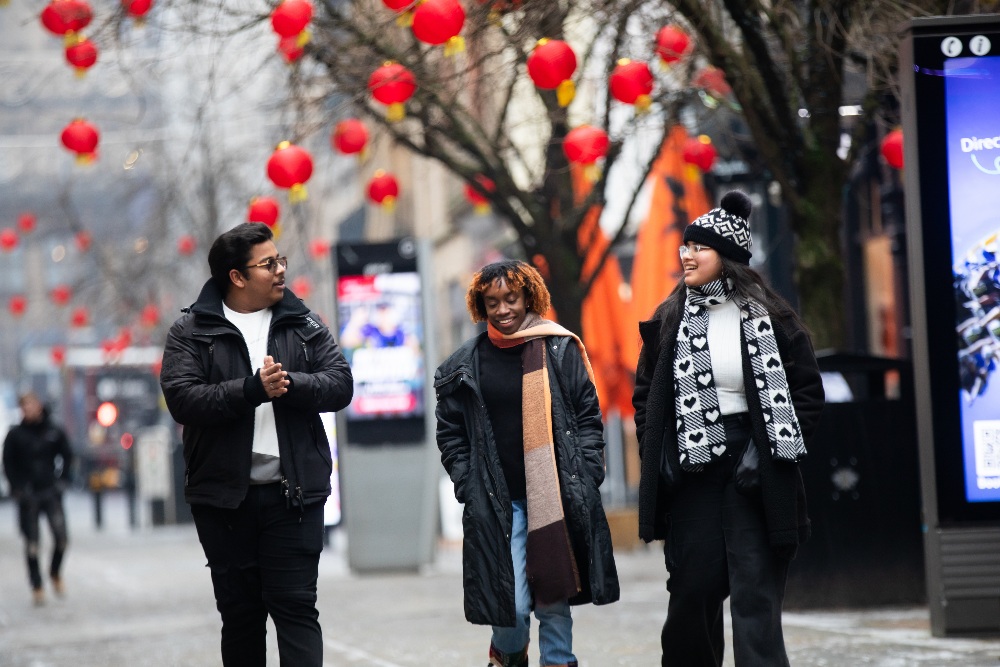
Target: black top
(500,381)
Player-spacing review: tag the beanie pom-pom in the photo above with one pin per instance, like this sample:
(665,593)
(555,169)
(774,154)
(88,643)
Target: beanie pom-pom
(737,203)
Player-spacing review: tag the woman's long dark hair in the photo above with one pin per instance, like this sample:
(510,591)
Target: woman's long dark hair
(747,283)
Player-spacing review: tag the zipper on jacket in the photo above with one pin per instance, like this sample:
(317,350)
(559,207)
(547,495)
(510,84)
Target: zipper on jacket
(302,503)
(285,492)
(305,350)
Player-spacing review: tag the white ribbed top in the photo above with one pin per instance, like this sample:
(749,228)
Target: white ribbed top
(727,360)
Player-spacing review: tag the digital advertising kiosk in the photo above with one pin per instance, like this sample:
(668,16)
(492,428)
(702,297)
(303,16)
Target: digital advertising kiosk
(950,74)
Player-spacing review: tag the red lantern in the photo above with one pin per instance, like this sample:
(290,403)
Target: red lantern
(672,44)
(349,136)
(8,239)
(150,315)
(290,18)
(551,66)
(290,167)
(319,249)
(79,317)
(81,137)
(302,287)
(439,22)
(479,202)
(290,49)
(403,9)
(585,145)
(713,81)
(58,354)
(61,294)
(66,18)
(83,240)
(392,84)
(26,222)
(383,189)
(186,244)
(137,8)
(892,148)
(631,82)
(81,56)
(17,305)
(699,152)
(263,209)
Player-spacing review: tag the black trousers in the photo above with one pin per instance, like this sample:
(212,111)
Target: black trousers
(30,509)
(717,547)
(264,559)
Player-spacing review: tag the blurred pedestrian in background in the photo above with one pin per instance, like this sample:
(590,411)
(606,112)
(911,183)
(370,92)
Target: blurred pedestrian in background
(727,396)
(37,459)
(247,372)
(520,433)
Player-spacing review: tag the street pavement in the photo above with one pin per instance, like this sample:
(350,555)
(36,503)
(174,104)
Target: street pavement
(137,597)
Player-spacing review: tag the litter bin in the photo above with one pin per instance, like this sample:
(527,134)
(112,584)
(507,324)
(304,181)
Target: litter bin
(863,490)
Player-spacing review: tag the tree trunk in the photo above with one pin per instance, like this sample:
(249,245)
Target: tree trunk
(817,214)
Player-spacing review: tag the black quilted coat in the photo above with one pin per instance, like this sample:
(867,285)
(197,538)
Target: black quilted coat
(469,454)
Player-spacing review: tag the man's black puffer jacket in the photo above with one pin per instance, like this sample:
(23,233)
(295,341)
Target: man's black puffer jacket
(211,389)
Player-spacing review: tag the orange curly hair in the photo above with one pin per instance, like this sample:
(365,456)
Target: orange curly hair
(517,275)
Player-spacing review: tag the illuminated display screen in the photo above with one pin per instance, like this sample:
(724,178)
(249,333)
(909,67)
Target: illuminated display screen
(956,94)
(380,334)
(972,91)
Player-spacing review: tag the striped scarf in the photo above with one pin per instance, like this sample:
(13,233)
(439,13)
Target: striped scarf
(699,422)
(551,565)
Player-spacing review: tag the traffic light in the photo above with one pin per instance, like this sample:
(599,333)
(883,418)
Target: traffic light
(107,414)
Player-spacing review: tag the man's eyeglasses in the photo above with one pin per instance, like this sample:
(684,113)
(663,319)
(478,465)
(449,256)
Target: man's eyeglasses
(271,264)
(686,250)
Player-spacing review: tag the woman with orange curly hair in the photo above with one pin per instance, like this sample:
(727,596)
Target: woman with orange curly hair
(521,436)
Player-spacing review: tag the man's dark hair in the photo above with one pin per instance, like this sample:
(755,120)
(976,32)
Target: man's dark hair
(233,249)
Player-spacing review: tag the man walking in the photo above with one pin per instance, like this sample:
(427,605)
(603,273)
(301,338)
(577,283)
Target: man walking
(247,371)
(37,459)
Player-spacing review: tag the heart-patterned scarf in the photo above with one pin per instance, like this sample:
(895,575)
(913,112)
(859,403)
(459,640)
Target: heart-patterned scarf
(699,421)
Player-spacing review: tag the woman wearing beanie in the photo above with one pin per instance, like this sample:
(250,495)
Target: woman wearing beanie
(727,396)
(520,433)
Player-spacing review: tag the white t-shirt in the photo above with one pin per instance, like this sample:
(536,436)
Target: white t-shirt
(726,348)
(265,465)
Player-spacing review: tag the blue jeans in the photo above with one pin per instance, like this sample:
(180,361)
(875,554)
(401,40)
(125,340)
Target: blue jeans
(555,625)
(264,558)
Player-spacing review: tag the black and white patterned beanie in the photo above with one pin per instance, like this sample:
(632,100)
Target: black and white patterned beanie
(725,229)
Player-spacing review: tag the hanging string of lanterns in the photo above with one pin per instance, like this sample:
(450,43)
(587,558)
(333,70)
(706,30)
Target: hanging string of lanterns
(350,137)
(289,167)
(585,145)
(551,66)
(631,82)
(480,203)
(264,210)
(66,18)
(383,189)
(81,55)
(438,22)
(81,137)
(699,152)
(891,148)
(392,84)
(672,44)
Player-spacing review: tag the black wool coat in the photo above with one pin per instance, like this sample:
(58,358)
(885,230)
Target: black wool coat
(469,455)
(782,490)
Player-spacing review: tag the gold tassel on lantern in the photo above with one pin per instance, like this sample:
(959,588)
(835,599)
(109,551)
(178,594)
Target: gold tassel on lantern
(454,45)
(592,172)
(297,193)
(389,204)
(642,104)
(396,112)
(303,38)
(565,92)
